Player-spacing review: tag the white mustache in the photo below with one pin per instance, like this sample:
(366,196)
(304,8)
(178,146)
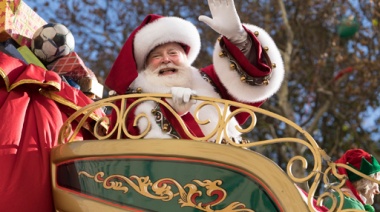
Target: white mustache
(166,66)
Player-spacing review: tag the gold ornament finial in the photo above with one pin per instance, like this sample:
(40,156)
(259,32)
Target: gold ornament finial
(165,128)
(232,66)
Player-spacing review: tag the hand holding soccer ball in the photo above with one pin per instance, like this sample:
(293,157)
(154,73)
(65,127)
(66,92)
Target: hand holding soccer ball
(51,42)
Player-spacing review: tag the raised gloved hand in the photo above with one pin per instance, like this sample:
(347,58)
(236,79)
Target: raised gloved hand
(181,99)
(225,20)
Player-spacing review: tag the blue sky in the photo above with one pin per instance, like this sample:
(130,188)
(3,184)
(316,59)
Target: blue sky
(372,113)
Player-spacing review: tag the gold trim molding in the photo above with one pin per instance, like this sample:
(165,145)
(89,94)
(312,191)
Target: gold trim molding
(251,164)
(163,191)
(315,175)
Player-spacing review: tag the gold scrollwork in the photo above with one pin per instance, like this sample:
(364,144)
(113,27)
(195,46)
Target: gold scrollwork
(163,190)
(123,107)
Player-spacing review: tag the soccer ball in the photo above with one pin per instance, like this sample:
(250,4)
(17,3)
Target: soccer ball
(52,41)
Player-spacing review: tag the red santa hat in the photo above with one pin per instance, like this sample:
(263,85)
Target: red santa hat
(155,30)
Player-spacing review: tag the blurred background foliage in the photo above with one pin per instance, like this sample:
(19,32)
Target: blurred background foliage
(330,50)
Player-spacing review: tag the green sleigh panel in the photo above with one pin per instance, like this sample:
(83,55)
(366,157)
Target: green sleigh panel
(168,175)
(208,173)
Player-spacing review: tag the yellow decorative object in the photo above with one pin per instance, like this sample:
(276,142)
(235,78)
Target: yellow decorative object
(165,128)
(164,192)
(279,183)
(255,166)
(232,66)
(18,21)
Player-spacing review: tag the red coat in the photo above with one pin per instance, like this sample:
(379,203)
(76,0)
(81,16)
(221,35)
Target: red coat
(188,118)
(259,69)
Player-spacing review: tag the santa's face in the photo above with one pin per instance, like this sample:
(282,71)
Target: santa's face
(167,66)
(169,53)
(373,189)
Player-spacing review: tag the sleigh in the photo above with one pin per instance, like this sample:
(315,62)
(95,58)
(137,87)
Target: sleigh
(113,173)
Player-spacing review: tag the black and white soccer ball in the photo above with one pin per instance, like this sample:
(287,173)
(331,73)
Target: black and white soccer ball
(52,41)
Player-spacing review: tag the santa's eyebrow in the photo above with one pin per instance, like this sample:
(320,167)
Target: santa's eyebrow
(153,53)
(175,48)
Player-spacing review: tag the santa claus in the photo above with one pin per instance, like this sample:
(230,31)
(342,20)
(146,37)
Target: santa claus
(157,58)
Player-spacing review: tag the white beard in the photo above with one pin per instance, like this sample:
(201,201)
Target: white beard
(150,82)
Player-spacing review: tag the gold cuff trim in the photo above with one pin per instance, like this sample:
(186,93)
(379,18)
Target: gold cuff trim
(244,77)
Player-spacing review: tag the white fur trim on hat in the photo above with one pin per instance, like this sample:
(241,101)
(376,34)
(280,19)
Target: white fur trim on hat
(165,30)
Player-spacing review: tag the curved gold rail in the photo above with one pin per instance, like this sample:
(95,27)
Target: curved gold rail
(122,108)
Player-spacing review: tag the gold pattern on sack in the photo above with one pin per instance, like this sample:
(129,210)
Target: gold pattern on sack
(222,54)
(256,33)
(139,90)
(266,48)
(274,65)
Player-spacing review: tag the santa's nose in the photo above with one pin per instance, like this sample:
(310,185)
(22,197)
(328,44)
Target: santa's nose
(165,59)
